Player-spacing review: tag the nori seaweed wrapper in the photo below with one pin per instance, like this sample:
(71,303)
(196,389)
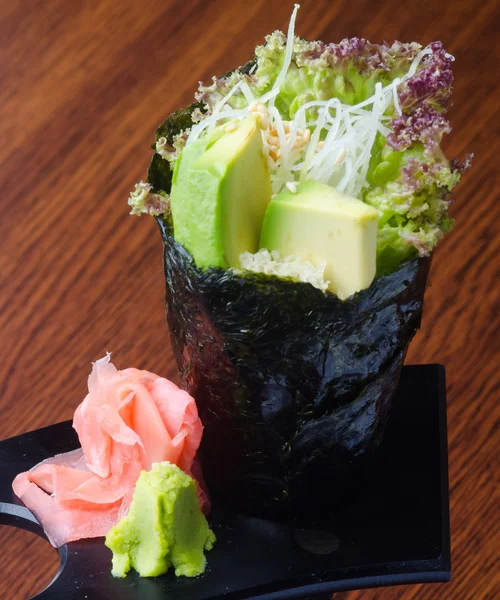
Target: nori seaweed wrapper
(293,385)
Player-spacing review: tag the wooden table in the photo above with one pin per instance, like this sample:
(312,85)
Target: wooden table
(83,84)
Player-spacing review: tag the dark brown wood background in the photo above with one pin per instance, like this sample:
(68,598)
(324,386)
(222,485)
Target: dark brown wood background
(83,84)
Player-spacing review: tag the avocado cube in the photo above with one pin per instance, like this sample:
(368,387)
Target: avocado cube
(319,224)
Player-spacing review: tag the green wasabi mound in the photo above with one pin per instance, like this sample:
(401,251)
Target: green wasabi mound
(164,527)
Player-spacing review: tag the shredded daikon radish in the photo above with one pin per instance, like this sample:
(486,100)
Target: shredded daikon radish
(325,140)
(278,124)
(271,95)
(222,105)
(416,62)
(315,139)
(385,131)
(212,120)
(247,92)
(395,96)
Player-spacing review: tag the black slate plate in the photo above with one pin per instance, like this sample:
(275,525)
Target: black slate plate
(396,533)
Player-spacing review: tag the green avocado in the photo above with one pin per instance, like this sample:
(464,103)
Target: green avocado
(164,527)
(319,224)
(220,191)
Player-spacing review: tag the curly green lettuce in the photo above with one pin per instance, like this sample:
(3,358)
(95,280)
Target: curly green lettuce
(348,70)
(410,178)
(410,190)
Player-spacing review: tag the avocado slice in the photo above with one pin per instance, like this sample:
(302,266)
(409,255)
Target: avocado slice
(319,224)
(220,191)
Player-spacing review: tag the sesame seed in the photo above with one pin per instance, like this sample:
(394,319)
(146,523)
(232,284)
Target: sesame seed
(341,156)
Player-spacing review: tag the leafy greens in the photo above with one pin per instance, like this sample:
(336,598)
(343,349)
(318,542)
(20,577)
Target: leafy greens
(375,117)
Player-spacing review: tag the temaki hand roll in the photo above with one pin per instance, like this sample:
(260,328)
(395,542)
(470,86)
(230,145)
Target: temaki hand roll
(299,201)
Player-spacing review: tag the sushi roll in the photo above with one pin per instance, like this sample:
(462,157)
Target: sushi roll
(299,200)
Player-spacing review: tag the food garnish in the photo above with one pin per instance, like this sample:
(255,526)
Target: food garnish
(129,420)
(366,119)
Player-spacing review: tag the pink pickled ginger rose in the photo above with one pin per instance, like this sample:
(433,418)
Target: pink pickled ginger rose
(128,420)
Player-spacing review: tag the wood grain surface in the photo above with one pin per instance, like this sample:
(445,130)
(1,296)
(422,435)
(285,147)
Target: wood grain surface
(83,85)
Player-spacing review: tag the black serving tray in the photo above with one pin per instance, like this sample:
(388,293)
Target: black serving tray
(397,532)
